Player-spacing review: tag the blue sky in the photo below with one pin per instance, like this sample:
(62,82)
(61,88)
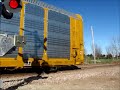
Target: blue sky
(103,15)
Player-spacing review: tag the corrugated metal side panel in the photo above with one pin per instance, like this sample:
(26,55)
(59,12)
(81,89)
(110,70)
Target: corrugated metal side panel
(33,31)
(10,27)
(58,35)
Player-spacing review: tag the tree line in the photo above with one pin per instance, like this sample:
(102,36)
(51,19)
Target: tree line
(112,50)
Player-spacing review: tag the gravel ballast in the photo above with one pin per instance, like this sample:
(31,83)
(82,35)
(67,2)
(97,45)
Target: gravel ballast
(102,78)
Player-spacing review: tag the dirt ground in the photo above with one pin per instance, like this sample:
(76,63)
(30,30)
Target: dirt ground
(95,78)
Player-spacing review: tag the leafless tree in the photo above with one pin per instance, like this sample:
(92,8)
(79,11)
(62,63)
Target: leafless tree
(85,55)
(118,46)
(85,51)
(110,50)
(98,51)
(114,47)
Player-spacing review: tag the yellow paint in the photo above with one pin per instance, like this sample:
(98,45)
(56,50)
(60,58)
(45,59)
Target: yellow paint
(21,32)
(76,44)
(45,57)
(76,40)
(10,62)
(72,39)
(59,61)
(81,41)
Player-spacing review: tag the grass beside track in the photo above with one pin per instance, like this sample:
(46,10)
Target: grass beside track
(102,61)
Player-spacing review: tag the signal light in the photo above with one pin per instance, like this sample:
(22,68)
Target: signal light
(9,7)
(13,4)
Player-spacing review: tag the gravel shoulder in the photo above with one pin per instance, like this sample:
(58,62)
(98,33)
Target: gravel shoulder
(96,78)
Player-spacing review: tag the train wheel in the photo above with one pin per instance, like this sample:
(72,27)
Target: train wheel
(46,67)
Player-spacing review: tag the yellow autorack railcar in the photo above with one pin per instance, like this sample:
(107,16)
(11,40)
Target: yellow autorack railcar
(43,34)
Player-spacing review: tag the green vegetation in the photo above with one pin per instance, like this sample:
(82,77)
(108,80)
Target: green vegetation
(90,60)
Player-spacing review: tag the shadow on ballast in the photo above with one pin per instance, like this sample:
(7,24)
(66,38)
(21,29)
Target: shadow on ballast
(25,82)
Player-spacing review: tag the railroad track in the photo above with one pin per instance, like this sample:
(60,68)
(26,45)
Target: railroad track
(90,66)
(19,78)
(31,71)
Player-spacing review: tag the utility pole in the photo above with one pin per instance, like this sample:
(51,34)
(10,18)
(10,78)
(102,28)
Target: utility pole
(93,45)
